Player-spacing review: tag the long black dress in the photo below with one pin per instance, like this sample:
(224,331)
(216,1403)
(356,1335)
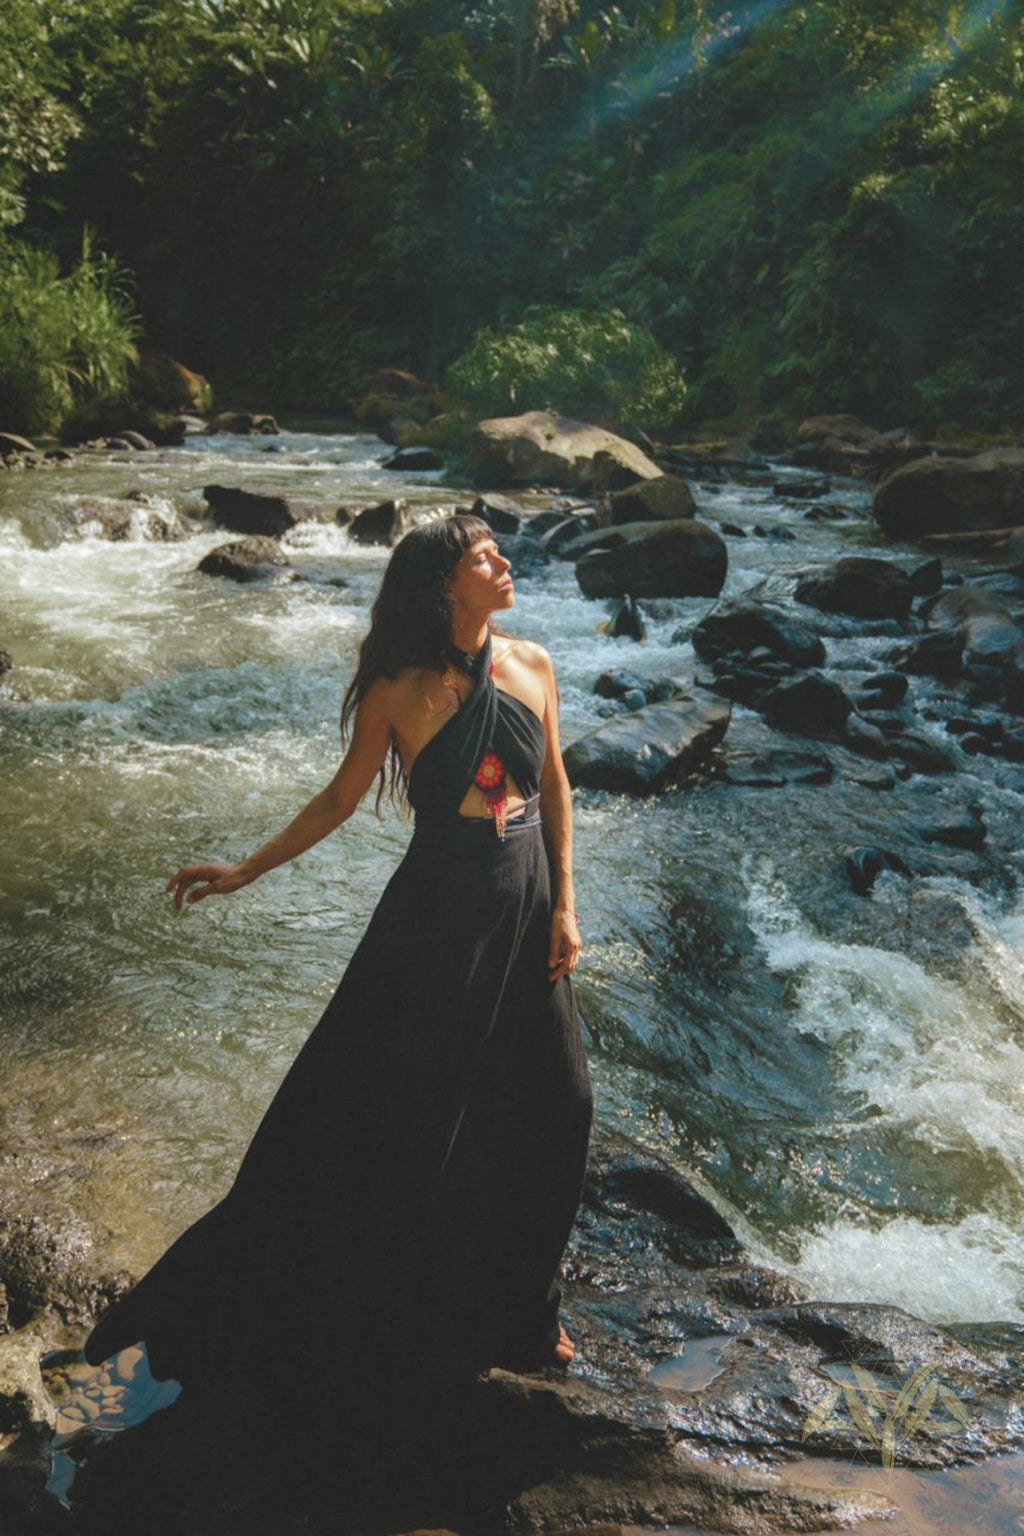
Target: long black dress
(413,1183)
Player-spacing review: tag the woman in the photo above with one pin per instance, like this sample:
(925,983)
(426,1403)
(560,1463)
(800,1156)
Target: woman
(412,1186)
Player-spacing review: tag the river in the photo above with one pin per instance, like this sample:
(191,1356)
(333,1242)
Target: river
(842,1074)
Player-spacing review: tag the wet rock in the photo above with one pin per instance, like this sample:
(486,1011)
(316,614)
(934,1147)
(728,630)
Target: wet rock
(104,418)
(527,555)
(982,619)
(773,769)
(47,1257)
(24,1400)
(926,579)
(408,459)
(964,831)
(864,865)
(940,494)
(558,539)
(6,661)
(743,627)
(10,442)
(938,655)
(801,490)
(777,532)
(646,751)
(166,384)
(101,517)
(133,440)
(244,424)
(882,690)
(500,513)
(860,586)
(653,690)
(541,448)
(920,753)
(383,524)
(626,622)
(648,501)
(264,512)
(733,530)
(810,705)
(678,558)
(253,559)
(861,736)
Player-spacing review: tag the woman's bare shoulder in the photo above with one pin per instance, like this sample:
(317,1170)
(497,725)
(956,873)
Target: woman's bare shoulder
(529,652)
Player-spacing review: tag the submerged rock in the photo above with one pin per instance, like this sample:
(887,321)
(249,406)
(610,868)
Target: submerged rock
(541,448)
(677,558)
(245,560)
(645,751)
(101,517)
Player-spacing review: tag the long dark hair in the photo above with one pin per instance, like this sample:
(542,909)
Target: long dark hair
(410,624)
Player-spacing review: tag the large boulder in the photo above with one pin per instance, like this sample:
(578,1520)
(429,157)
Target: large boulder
(746,627)
(677,558)
(940,494)
(383,524)
(163,382)
(654,500)
(269,513)
(645,751)
(861,586)
(245,560)
(541,448)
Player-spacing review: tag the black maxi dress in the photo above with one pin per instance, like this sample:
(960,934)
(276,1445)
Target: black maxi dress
(413,1183)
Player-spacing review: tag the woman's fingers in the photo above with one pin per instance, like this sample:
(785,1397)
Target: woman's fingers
(564,951)
(209,877)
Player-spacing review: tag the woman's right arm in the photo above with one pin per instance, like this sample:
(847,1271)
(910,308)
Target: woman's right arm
(371,738)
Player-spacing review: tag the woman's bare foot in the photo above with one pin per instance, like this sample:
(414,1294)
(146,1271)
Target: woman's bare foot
(565,1348)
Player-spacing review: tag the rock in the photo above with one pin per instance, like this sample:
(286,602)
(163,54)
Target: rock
(939,655)
(926,579)
(414,458)
(651,500)
(938,494)
(499,512)
(966,831)
(743,627)
(24,1400)
(617,684)
(882,690)
(678,558)
(801,490)
(836,443)
(540,448)
(395,383)
(108,417)
(862,736)
(6,661)
(47,1255)
(983,621)
(864,865)
(643,752)
(264,512)
(161,381)
(861,586)
(133,440)
(810,705)
(243,424)
(383,524)
(245,560)
(848,429)
(626,622)
(920,753)
(557,540)
(10,442)
(771,770)
(107,518)
(527,555)
(775,531)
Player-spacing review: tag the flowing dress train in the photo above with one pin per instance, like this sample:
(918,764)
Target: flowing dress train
(414,1181)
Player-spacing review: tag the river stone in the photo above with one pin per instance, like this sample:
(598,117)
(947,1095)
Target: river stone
(244,424)
(940,494)
(677,558)
(920,753)
(810,705)
(24,1399)
(163,382)
(652,500)
(265,512)
(615,685)
(864,865)
(627,622)
(383,524)
(414,458)
(10,442)
(6,661)
(744,627)
(771,770)
(110,518)
(541,448)
(645,751)
(861,736)
(500,513)
(861,586)
(938,655)
(47,1256)
(245,560)
(983,620)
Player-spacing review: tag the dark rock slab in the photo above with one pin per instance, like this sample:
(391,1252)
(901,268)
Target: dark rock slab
(653,690)
(413,459)
(677,558)
(244,424)
(500,513)
(253,559)
(383,524)
(645,751)
(626,622)
(541,448)
(861,586)
(774,769)
(265,512)
(744,627)
(937,655)
(649,501)
(941,494)
(809,705)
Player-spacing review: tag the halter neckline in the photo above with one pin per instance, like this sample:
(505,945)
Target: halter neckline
(466,661)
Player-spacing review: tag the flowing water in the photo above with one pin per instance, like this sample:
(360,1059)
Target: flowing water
(843,1074)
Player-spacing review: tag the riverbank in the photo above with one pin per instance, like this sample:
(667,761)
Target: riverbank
(823,1043)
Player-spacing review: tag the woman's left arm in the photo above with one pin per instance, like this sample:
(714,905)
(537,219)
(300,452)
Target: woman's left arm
(556,815)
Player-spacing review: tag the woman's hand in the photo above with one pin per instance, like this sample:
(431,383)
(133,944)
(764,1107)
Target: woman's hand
(565,947)
(220,880)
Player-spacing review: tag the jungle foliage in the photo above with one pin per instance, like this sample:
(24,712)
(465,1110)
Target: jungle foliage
(806,204)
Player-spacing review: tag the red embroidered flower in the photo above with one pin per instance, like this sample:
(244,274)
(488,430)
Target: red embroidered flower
(491,773)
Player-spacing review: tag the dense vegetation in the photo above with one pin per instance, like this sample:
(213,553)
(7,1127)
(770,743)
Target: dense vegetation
(806,205)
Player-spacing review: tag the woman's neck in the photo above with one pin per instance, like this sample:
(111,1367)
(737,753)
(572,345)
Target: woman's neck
(469,635)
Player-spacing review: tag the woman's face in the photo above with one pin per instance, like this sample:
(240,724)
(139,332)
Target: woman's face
(481,583)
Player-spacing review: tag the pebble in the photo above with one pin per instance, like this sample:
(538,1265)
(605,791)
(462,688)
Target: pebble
(127,1362)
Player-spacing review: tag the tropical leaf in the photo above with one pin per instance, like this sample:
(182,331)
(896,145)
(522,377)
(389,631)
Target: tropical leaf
(820,1415)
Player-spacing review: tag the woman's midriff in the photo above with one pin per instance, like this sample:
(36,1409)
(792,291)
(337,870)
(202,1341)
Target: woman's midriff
(474,803)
